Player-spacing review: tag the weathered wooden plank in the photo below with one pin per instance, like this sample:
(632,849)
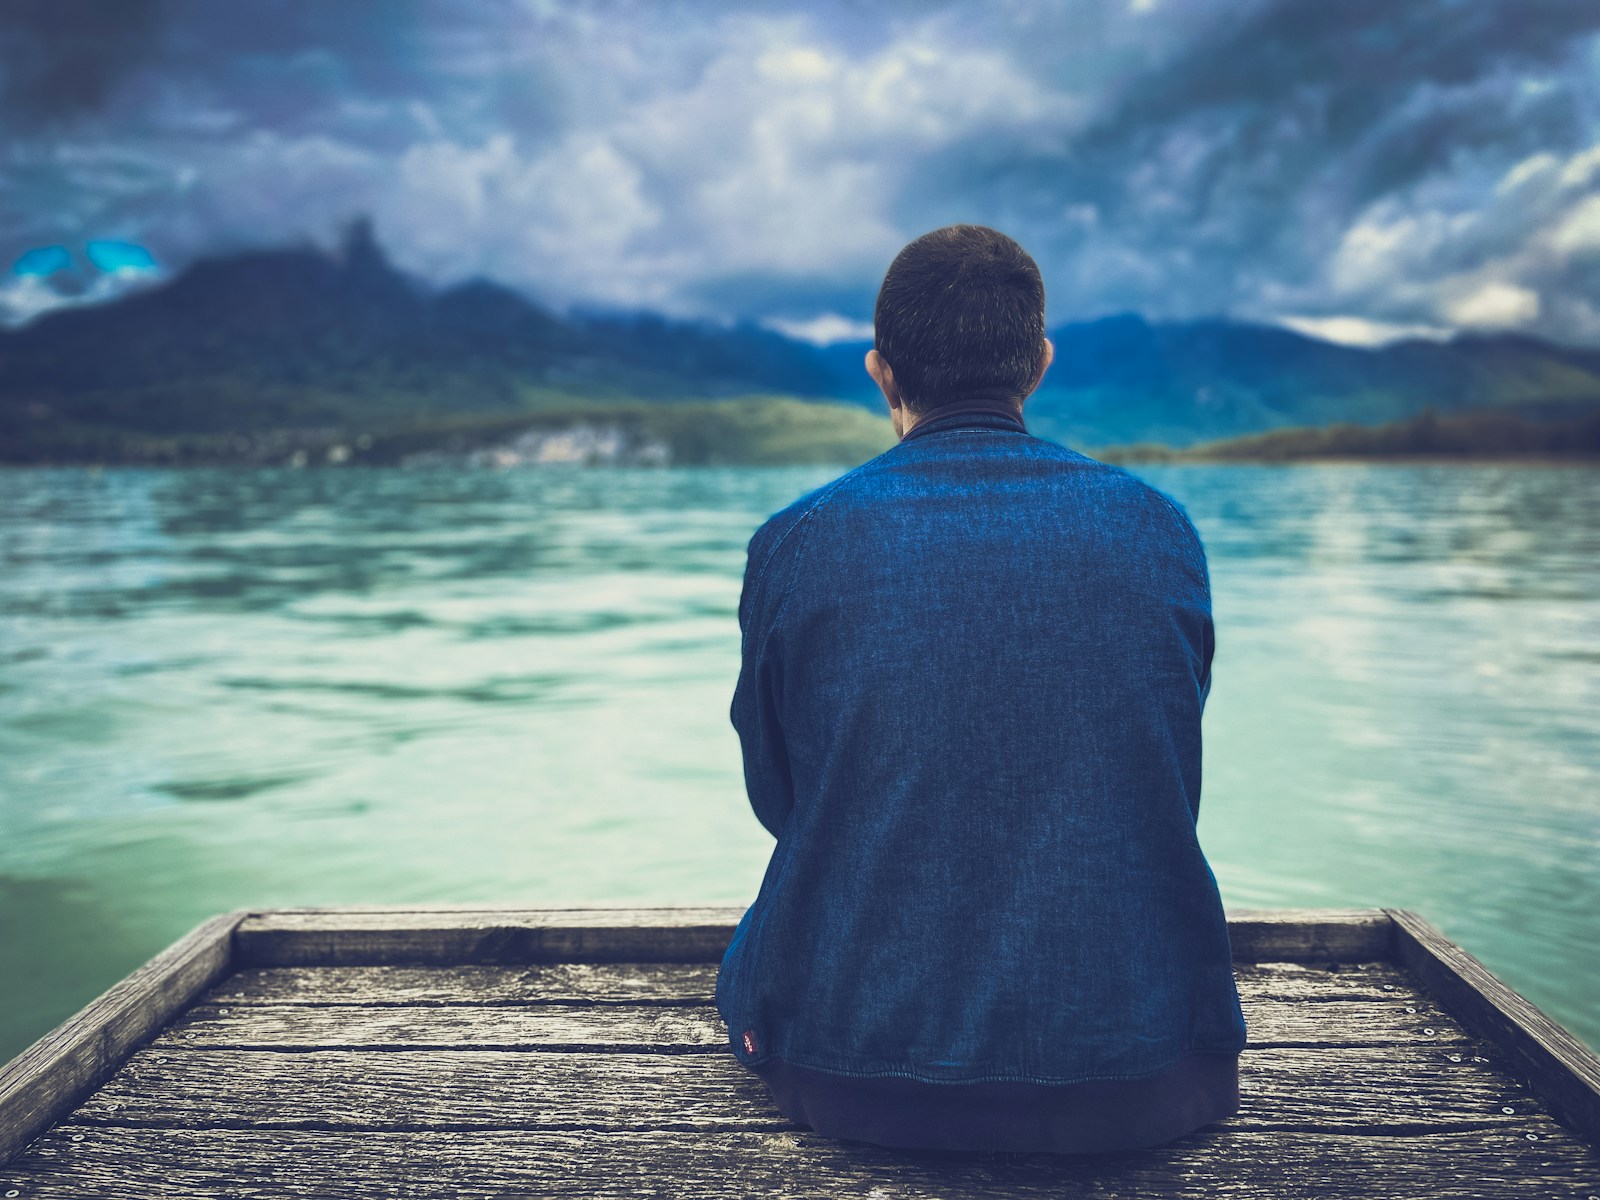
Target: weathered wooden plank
(682,983)
(540,983)
(444,936)
(1213,1164)
(1354,1088)
(479,907)
(447,936)
(1310,935)
(1269,1022)
(532,1027)
(47,1079)
(1315,981)
(1558,1066)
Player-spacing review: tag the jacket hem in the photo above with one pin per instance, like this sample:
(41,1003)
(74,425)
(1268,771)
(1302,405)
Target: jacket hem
(1013,1077)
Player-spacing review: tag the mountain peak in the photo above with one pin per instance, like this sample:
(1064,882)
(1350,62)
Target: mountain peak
(358,246)
(367,275)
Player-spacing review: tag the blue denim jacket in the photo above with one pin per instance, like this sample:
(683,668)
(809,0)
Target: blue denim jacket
(969,707)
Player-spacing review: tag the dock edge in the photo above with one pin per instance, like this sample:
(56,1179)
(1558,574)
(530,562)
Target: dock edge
(1562,1070)
(53,1076)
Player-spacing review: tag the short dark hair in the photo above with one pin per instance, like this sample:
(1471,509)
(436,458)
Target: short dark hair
(961,314)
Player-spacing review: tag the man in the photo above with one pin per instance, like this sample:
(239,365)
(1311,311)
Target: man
(969,707)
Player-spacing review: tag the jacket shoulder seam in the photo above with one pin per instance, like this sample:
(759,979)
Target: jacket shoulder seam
(803,519)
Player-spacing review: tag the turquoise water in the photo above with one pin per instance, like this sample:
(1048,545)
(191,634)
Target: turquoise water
(223,689)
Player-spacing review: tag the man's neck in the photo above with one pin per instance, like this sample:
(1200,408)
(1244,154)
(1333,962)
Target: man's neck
(966,405)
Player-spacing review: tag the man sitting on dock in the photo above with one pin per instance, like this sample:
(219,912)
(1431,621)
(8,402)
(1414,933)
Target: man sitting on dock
(969,706)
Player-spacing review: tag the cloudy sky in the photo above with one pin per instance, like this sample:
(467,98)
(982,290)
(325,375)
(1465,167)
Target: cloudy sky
(1360,169)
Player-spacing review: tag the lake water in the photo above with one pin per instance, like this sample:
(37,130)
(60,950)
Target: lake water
(226,689)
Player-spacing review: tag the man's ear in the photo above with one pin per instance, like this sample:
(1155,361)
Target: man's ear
(883,375)
(1044,363)
(1045,359)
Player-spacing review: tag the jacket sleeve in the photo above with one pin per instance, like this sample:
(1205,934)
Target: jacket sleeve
(1196,558)
(1209,649)
(755,711)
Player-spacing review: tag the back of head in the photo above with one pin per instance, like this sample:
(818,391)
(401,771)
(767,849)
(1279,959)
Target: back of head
(961,314)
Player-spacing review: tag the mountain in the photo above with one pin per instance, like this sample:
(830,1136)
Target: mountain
(1122,379)
(302,338)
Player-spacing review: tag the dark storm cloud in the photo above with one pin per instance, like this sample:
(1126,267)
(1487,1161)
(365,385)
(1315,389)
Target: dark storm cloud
(1228,175)
(63,57)
(1309,83)
(1415,164)
(1360,57)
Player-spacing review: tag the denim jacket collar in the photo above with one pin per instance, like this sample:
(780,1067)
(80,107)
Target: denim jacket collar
(977,412)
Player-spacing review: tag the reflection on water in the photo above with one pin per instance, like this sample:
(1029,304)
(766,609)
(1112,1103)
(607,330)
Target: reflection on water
(225,689)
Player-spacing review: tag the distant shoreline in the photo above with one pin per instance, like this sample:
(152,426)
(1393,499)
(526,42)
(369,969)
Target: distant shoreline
(1485,435)
(738,431)
(1577,461)
(1588,460)
(768,431)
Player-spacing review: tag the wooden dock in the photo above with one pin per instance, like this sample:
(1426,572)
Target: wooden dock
(442,1052)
